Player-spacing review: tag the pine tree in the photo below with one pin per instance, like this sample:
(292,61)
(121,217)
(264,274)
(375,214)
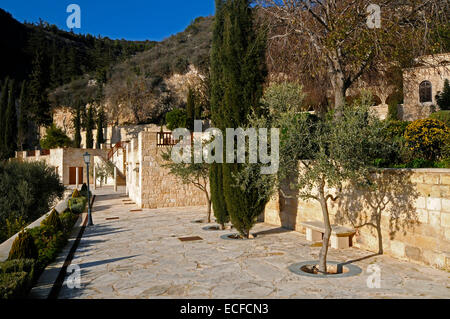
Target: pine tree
(77,125)
(215,178)
(89,128)
(244,74)
(10,123)
(23,117)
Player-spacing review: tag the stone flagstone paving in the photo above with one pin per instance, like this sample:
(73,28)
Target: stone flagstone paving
(139,255)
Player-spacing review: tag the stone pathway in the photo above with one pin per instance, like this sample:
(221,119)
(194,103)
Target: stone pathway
(140,256)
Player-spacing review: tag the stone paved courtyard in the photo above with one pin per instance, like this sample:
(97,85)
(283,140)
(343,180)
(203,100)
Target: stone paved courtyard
(140,256)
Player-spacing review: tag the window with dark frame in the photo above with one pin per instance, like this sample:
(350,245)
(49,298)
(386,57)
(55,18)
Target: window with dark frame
(425,92)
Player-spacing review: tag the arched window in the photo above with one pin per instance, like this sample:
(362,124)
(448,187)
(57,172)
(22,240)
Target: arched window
(425,92)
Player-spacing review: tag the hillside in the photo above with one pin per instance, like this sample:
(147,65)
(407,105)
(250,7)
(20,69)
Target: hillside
(144,86)
(66,55)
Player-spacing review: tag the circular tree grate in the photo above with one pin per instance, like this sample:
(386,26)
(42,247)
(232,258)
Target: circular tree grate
(336,269)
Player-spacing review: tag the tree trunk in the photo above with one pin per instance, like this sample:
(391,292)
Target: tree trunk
(339,86)
(208,200)
(380,236)
(327,234)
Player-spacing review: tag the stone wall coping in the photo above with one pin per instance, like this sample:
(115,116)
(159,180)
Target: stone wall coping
(420,170)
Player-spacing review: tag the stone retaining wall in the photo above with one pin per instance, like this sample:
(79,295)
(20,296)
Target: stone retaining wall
(414,211)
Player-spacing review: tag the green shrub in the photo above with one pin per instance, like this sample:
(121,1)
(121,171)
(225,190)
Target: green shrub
(84,191)
(176,119)
(53,220)
(76,194)
(23,247)
(396,129)
(17,265)
(16,278)
(77,205)
(49,243)
(443,116)
(427,138)
(14,285)
(68,220)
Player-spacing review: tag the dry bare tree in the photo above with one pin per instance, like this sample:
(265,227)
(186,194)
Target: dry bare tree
(338,41)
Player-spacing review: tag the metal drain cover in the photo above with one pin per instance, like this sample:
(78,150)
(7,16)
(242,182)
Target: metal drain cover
(112,218)
(135,210)
(195,238)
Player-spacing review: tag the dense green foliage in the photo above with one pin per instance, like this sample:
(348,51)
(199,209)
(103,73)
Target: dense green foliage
(27,191)
(55,138)
(176,119)
(16,278)
(443,98)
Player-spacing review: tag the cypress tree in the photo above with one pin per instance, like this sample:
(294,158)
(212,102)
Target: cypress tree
(10,123)
(244,75)
(100,126)
(215,178)
(89,127)
(23,118)
(190,109)
(3,107)
(77,125)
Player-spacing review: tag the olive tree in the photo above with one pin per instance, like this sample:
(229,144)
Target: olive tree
(195,174)
(329,153)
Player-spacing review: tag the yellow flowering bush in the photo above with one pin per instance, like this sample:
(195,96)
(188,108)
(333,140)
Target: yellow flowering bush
(427,138)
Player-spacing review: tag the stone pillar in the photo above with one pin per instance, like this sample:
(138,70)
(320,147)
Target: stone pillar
(95,177)
(115,179)
(77,176)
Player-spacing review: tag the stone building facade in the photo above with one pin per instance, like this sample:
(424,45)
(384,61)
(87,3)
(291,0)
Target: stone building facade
(421,85)
(67,162)
(149,184)
(414,206)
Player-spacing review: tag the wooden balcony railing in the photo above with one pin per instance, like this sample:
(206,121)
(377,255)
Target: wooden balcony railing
(165,139)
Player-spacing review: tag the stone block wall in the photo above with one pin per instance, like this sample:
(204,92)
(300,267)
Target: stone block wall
(149,184)
(413,207)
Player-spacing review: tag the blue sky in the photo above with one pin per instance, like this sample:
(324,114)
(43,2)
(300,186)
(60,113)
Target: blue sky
(130,19)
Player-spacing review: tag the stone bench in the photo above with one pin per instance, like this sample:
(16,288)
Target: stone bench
(341,237)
